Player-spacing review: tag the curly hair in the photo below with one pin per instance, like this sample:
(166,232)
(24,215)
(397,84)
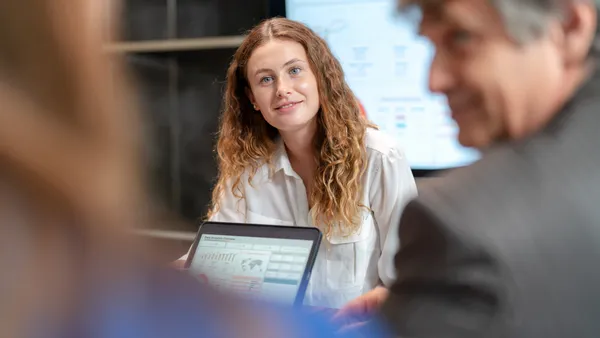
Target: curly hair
(246,141)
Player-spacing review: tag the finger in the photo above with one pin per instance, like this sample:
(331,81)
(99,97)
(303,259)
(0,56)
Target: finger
(178,264)
(354,308)
(364,305)
(352,327)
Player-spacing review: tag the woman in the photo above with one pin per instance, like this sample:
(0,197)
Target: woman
(71,188)
(293,149)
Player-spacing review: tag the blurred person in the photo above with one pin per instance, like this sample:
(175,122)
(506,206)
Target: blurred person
(72,189)
(69,170)
(293,149)
(506,247)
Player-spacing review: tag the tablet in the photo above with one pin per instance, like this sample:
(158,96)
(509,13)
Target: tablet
(264,262)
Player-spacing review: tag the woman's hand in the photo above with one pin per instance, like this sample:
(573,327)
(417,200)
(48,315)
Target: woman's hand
(360,310)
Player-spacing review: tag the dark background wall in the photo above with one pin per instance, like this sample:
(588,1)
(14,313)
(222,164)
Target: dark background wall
(181,91)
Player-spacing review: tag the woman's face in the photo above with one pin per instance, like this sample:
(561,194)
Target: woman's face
(282,85)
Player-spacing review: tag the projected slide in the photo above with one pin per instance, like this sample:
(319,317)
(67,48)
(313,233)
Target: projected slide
(386,66)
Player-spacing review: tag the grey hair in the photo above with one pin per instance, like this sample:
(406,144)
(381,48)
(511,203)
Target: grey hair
(525,20)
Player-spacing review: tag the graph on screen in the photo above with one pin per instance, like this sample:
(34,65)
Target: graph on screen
(386,65)
(219,257)
(242,271)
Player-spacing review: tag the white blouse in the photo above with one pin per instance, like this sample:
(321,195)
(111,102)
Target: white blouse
(346,266)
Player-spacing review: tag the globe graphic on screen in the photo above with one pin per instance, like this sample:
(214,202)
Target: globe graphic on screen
(251,264)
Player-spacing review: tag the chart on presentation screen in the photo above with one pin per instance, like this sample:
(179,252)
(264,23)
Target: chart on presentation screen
(386,65)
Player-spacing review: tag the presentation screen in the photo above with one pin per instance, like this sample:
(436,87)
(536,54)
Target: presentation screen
(386,65)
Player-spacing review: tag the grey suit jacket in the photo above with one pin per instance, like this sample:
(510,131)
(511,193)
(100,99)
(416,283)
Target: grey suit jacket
(509,246)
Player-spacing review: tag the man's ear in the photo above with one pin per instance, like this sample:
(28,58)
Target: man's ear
(580,31)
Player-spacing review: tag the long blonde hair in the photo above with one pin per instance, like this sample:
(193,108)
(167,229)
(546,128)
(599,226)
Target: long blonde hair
(67,147)
(246,141)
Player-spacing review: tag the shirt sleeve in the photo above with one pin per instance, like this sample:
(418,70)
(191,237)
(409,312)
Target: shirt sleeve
(392,187)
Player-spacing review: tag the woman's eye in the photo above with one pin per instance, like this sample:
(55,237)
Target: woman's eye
(266,79)
(295,71)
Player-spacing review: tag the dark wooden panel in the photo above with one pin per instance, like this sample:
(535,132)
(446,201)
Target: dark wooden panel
(152,80)
(181,93)
(145,20)
(200,88)
(197,18)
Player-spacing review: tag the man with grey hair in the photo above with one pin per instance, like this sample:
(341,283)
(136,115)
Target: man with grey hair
(506,247)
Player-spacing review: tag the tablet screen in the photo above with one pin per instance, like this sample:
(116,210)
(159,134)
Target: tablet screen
(269,269)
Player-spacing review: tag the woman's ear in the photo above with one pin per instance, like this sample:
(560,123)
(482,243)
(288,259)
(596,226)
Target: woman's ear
(251,98)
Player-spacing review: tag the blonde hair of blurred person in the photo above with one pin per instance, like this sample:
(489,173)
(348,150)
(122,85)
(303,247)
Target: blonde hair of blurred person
(71,182)
(72,187)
